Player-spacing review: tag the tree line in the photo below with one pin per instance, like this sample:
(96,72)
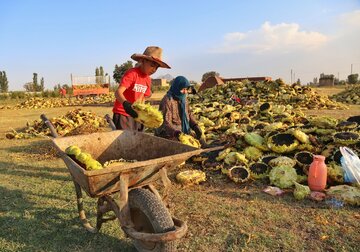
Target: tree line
(119,71)
(4,83)
(35,86)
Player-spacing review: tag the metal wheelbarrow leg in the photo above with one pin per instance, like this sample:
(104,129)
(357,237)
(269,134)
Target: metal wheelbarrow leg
(102,206)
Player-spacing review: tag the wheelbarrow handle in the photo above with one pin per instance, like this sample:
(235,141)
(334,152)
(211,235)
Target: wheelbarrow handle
(212,148)
(199,151)
(110,122)
(49,125)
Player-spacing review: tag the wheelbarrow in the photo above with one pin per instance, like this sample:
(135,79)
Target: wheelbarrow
(128,189)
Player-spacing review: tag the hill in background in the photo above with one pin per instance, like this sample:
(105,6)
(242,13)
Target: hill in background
(168,77)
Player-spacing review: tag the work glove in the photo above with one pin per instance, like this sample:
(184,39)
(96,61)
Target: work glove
(128,109)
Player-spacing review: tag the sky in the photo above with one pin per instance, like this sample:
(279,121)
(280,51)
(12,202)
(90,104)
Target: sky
(234,38)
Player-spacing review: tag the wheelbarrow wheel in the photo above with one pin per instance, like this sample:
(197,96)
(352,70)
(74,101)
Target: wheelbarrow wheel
(149,215)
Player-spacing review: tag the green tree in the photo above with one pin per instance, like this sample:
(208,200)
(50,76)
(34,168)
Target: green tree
(119,71)
(57,87)
(209,74)
(66,86)
(4,84)
(1,81)
(298,82)
(35,82)
(97,74)
(315,81)
(42,84)
(353,78)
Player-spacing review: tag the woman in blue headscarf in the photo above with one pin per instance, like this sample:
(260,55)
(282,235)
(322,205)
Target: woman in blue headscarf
(177,115)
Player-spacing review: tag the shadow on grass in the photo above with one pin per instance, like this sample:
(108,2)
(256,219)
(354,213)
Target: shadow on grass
(33,171)
(30,228)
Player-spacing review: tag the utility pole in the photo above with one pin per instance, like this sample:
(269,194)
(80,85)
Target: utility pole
(291,77)
(351,68)
(294,78)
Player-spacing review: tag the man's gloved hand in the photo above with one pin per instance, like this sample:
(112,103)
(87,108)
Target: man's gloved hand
(128,109)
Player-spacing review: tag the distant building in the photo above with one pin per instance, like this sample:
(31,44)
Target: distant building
(215,80)
(248,78)
(159,83)
(326,80)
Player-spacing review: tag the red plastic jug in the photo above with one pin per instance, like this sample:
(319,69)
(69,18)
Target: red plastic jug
(317,174)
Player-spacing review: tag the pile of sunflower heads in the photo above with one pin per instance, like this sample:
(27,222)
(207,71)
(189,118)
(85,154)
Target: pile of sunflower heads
(261,137)
(350,95)
(36,102)
(71,122)
(272,91)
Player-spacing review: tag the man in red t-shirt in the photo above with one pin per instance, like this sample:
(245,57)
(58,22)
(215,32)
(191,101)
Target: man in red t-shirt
(62,92)
(135,85)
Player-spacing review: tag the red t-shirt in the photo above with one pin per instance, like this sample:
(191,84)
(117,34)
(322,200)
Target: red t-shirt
(62,91)
(137,84)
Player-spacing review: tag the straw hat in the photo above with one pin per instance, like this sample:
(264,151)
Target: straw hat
(152,53)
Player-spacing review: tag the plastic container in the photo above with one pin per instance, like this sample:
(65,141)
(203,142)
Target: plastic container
(350,163)
(334,203)
(317,174)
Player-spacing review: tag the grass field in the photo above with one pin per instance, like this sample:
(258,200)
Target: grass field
(38,206)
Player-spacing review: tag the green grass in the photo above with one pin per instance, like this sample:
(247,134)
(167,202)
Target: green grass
(38,207)
(38,210)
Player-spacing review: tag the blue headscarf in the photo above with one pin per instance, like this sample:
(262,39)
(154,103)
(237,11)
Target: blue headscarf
(179,83)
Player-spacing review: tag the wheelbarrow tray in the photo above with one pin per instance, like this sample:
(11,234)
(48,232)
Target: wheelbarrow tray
(152,153)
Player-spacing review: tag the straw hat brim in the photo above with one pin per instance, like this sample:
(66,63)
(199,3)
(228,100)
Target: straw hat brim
(137,57)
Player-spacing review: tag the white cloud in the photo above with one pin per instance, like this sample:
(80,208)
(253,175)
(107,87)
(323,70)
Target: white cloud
(235,36)
(276,50)
(351,18)
(281,37)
